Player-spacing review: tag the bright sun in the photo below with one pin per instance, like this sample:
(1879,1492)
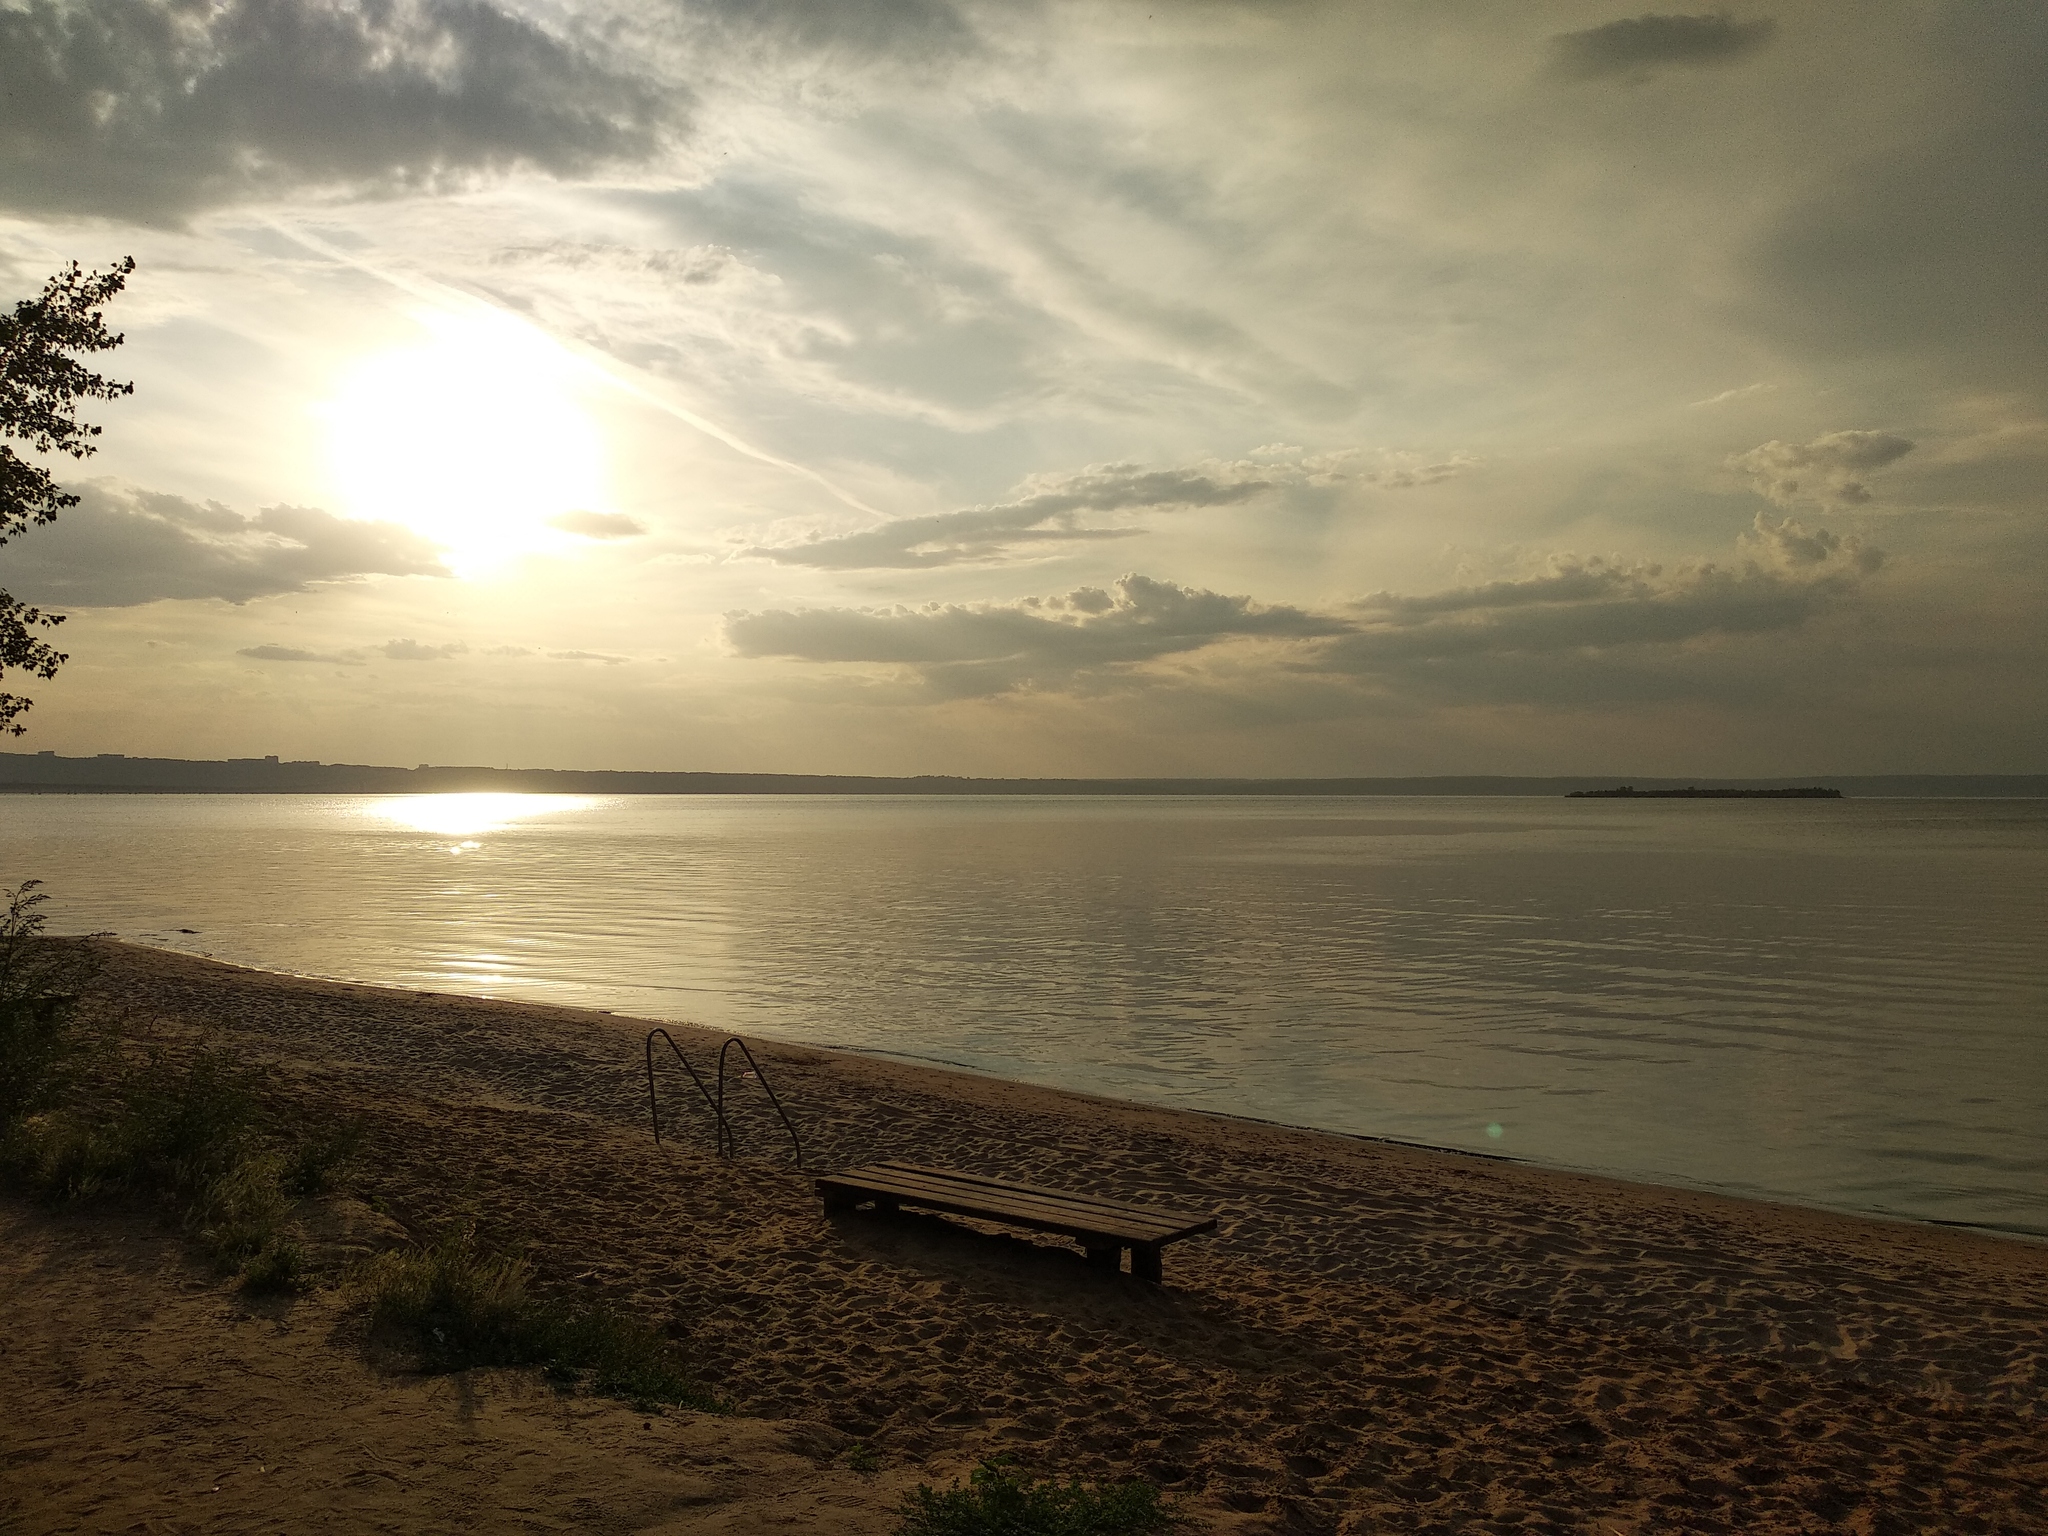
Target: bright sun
(475,438)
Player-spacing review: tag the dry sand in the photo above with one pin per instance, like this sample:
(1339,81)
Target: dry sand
(1377,1339)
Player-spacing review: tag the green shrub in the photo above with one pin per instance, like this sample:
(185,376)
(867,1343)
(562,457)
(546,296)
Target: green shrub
(166,1129)
(862,1458)
(39,1038)
(242,1213)
(468,1306)
(187,1127)
(280,1265)
(1000,1502)
(185,1134)
(315,1161)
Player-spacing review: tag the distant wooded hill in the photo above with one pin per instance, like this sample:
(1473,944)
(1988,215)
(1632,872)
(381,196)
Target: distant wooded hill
(23,772)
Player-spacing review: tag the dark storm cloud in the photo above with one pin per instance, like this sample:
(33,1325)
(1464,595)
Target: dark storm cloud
(985,648)
(1829,469)
(1049,514)
(599,525)
(1932,247)
(1639,44)
(149,110)
(118,548)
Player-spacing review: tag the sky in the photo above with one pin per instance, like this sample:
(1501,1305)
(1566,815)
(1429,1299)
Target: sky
(1032,388)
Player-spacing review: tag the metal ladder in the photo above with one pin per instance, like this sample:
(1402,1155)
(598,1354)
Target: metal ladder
(728,1143)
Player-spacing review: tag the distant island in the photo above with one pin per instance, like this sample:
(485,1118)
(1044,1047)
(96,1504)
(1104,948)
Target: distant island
(32,773)
(1693,792)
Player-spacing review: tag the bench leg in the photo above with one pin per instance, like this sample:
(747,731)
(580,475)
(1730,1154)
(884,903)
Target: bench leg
(887,1205)
(1105,1258)
(837,1204)
(1145,1263)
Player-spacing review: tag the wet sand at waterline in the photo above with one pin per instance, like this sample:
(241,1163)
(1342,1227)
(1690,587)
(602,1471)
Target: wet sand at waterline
(1378,1338)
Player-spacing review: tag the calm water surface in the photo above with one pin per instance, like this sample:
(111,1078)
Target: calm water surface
(1839,1003)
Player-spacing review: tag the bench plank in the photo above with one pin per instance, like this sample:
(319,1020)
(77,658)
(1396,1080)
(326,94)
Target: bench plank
(1014,1187)
(931,1182)
(1102,1226)
(1037,1214)
(1155,1225)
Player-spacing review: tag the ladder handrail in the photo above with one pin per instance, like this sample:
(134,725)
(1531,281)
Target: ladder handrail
(761,1078)
(728,1143)
(714,1105)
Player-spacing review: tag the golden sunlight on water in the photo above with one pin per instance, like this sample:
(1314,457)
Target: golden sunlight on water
(1844,1008)
(476,438)
(470,815)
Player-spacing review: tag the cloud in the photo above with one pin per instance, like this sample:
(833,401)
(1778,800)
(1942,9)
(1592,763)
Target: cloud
(599,525)
(1579,628)
(1050,508)
(608,660)
(1635,47)
(909,31)
(1792,546)
(150,110)
(1593,606)
(412,650)
(1830,469)
(1742,392)
(120,546)
(986,648)
(1049,514)
(290,653)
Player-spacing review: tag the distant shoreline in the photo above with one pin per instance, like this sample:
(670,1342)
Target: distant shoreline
(39,773)
(1630,792)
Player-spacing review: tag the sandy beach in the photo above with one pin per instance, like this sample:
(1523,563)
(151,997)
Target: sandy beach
(1377,1338)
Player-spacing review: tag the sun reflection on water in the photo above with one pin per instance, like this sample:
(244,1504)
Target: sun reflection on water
(470,815)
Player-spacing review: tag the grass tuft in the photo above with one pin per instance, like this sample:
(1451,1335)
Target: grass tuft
(1000,1501)
(165,1129)
(316,1163)
(862,1458)
(468,1306)
(277,1267)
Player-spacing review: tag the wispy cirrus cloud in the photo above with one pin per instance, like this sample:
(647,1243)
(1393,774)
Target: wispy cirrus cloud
(1051,509)
(1050,512)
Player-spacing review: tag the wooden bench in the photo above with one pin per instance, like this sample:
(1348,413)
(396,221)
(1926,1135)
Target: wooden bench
(1104,1228)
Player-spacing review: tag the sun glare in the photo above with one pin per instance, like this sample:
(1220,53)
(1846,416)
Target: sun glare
(475,438)
(470,815)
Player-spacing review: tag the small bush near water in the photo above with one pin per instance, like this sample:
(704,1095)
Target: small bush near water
(185,1133)
(468,1306)
(999,1501)
(40,1043)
